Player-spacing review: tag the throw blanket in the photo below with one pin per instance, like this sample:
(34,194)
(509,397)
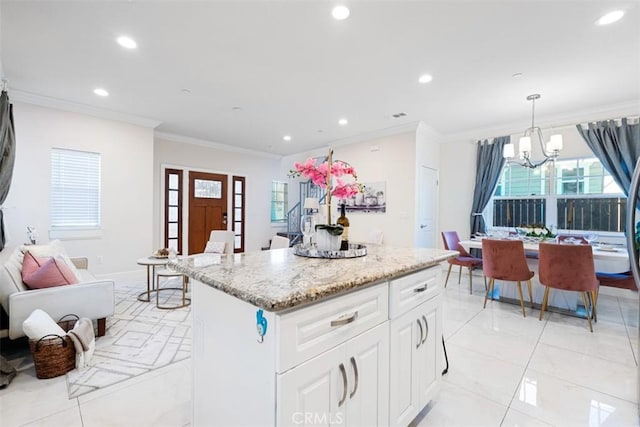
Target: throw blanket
(84,341)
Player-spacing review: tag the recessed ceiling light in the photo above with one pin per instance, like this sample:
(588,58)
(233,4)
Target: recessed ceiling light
(100,92)
(398,115)
(287,138)
(425,78)
(185,91)
(127,42)
(610,17)
(340,12)
(516,75)
(343,122)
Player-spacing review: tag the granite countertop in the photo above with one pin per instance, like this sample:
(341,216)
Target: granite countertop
(278,279)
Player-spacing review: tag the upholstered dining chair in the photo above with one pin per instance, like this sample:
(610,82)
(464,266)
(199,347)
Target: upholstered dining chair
(451,242)
(617,280)
(505,260)
(570,268)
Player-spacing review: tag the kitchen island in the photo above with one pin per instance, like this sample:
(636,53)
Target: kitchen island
(280,339)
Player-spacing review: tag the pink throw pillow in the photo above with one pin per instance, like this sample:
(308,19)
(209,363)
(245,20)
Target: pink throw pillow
(30,264)
(53,272)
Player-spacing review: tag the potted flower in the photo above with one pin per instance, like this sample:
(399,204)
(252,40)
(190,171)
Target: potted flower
(323,175)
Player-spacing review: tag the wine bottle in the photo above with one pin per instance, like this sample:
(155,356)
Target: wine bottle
(344,222)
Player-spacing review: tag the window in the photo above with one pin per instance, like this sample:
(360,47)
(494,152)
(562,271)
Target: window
(173,209)
(574,194)
(75,191)
(279,205)
(238,213)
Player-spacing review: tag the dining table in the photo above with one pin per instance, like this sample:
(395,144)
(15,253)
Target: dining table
(606,258)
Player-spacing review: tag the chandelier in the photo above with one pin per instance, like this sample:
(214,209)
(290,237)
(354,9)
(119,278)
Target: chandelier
(550,150)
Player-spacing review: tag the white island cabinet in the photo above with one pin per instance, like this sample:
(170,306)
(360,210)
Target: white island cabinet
(280,340)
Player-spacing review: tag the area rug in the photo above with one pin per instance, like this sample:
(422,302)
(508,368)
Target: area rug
(139,339)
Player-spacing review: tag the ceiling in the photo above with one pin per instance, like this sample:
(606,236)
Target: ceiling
(258,70)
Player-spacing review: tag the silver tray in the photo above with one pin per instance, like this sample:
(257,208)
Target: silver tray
(354,251)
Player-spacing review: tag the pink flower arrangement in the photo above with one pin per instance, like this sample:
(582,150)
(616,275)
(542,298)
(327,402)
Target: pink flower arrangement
(322,175)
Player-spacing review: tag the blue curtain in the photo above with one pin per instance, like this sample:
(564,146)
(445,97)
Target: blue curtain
(489,163)
(616,146)
(7,154)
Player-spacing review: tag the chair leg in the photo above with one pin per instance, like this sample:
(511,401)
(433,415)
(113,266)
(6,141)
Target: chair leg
(459,274)
(530,293)
(485,281)
(470,281)
(586,307)
(521,299)
(545,299)
(486,296)
(594,301)
(448,273)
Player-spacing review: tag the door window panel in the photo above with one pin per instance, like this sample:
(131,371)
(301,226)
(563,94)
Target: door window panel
(206,189)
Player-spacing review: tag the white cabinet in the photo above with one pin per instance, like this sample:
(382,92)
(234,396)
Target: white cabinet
(371,357)
(347,385)
(415,360)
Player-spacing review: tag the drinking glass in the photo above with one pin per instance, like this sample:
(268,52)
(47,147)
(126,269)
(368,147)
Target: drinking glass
(591,237)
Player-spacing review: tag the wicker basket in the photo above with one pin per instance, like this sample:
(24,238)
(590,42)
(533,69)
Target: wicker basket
(54,355)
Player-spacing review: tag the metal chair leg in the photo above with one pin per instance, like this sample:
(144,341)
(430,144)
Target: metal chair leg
(489,289)
(448,273)
(545,298)
(586,307)
(521,299)
(530,293)
(459,274)
(470,281)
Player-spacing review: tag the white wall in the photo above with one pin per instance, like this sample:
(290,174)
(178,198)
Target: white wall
(391,159)
(258,170)
(126,182)
(458,171)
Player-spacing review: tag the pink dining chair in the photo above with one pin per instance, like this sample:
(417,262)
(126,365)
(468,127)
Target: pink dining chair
(570,268)
(451,242)
(505,260)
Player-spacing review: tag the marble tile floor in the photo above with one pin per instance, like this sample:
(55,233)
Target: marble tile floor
(505,370)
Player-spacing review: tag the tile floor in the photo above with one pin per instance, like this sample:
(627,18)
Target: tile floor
(505,370)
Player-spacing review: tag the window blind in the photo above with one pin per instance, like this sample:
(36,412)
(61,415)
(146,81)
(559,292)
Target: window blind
(75,189)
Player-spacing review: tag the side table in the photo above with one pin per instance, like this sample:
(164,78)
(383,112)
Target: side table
(172,273)
(151,264)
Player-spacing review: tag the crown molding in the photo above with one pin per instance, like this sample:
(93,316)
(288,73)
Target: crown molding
(559,120)
(60,104)
(210,144)
(375,134)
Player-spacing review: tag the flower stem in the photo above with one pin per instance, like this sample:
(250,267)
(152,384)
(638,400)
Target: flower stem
(329,160)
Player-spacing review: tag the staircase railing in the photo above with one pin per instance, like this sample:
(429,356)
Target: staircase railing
(307,189)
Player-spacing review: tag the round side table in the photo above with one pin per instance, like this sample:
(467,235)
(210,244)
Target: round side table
(151,264)
(168,274)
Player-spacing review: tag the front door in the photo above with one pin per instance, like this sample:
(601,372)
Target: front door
(207,207)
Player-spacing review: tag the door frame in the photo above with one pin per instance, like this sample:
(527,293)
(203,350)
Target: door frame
(185,199)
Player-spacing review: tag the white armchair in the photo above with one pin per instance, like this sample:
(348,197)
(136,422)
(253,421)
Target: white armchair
(225,236)
(91,298)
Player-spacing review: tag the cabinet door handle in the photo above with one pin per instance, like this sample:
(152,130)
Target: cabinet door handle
(426,325)
(354,365)
(421,331)
(420,289)
(344,384)
(344,320)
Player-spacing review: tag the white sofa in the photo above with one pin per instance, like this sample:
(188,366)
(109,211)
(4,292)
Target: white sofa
(91,298)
